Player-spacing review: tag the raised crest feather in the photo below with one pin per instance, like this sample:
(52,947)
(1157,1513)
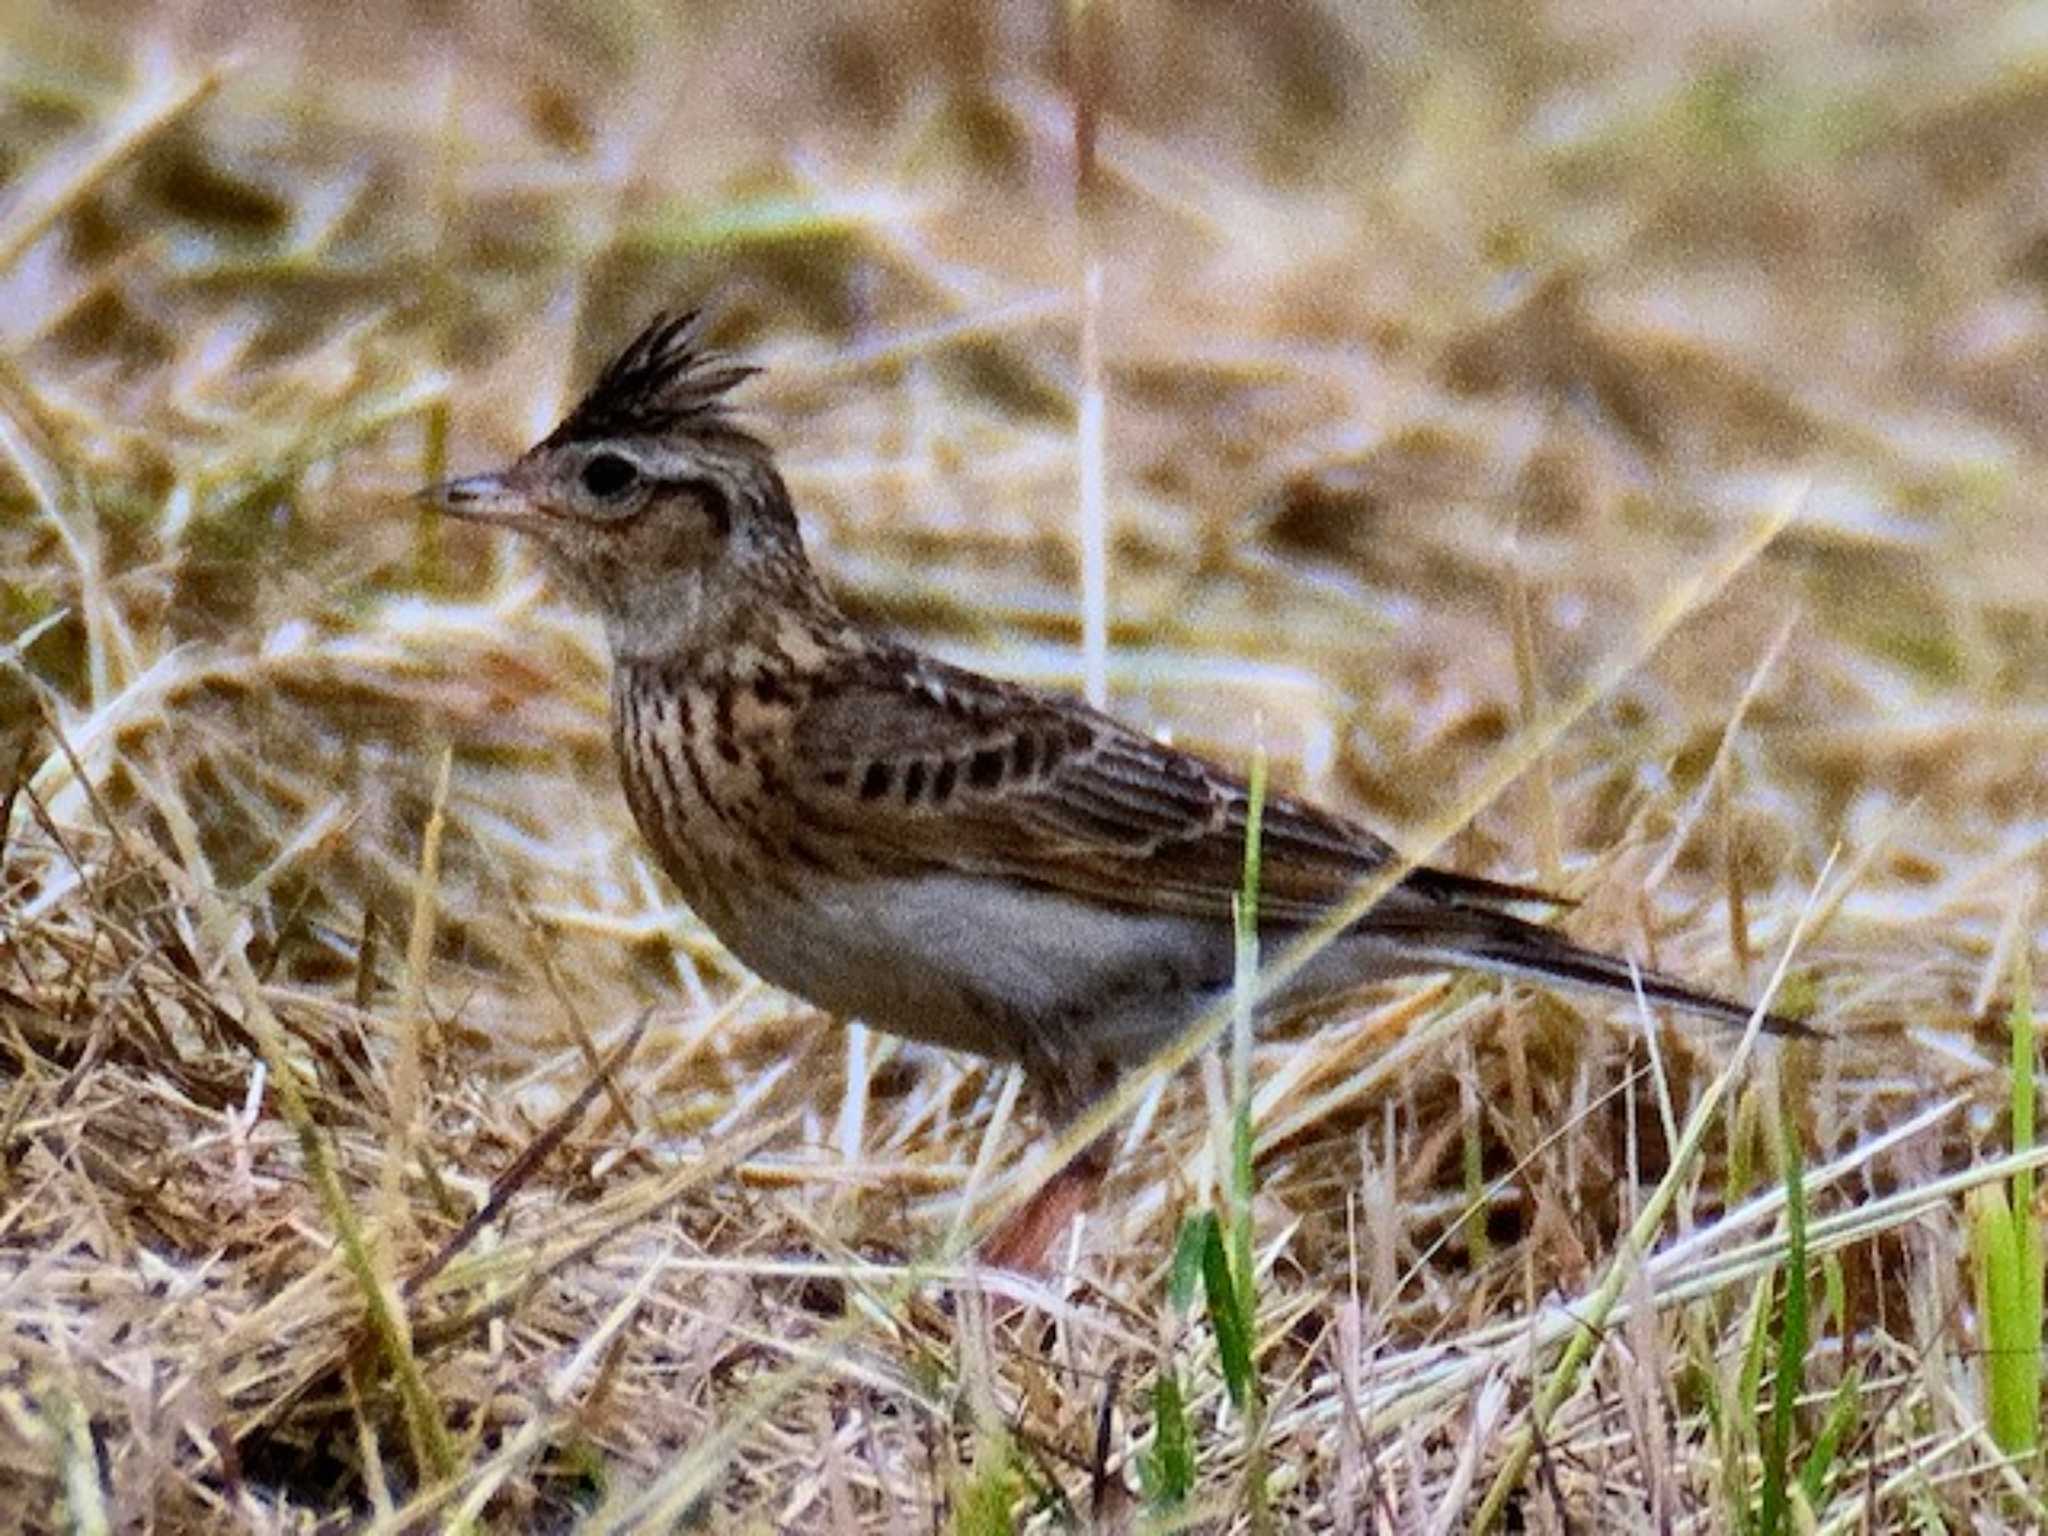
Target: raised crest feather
(664,380)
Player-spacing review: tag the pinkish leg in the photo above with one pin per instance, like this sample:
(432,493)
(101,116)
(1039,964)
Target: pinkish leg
(1025,1240)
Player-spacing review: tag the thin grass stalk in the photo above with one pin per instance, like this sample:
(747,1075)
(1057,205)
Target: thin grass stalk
(1091,426)
(68,1433)
(413,1042)
(1542,779)
(1789,1363)
(1244,1272)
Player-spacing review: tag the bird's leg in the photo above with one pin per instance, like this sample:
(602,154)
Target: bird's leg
(1025,1239)
(1069,1077)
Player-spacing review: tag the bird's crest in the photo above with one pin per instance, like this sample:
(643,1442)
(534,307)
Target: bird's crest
(665,380)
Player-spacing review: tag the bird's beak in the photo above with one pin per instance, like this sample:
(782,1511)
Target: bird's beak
(482,499)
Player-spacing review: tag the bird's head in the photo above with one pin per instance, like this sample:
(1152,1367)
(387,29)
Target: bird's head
(669,517)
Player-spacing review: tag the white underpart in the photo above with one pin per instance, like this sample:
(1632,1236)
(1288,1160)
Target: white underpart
(947,958)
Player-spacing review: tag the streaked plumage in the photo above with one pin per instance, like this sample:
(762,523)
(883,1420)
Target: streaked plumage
(948,856)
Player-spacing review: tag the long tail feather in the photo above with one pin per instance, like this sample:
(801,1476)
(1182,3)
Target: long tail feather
(1507,945)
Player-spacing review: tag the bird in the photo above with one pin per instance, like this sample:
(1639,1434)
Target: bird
(970,862)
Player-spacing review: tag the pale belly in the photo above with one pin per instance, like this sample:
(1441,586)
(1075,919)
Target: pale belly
(965,963)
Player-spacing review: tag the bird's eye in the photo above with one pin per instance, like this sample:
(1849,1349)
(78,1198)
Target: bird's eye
(607,475)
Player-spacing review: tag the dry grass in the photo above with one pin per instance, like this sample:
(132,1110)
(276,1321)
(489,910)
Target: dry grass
(1439,348)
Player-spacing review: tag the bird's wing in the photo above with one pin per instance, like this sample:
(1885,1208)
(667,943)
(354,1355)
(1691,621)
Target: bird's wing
(920,765)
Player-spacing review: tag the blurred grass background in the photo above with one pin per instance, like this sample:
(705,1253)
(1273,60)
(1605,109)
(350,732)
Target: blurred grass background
(1440,344)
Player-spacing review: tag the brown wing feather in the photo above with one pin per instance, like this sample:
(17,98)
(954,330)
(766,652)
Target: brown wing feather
(1045,789)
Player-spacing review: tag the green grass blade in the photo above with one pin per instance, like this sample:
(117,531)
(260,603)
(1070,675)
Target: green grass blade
(1166,1472)
(1226,1317)
(1187,1259)
(1996,1259)
(1789,1366)
(2025,1363)
(2005,1249)
(1834,1430)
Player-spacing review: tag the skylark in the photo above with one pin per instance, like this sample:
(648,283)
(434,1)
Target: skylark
(965,861)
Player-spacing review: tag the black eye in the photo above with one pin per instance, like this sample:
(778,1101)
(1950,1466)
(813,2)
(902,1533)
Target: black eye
(607,475)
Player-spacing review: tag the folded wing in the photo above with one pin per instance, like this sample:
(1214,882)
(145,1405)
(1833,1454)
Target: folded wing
(926,765)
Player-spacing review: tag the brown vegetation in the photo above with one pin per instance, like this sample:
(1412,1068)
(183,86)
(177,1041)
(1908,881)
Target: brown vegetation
(1447,351)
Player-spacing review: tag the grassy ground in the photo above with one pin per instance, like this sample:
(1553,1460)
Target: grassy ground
(1603,439)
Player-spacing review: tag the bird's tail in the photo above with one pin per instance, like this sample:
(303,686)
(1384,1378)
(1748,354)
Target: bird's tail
(1509,946)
